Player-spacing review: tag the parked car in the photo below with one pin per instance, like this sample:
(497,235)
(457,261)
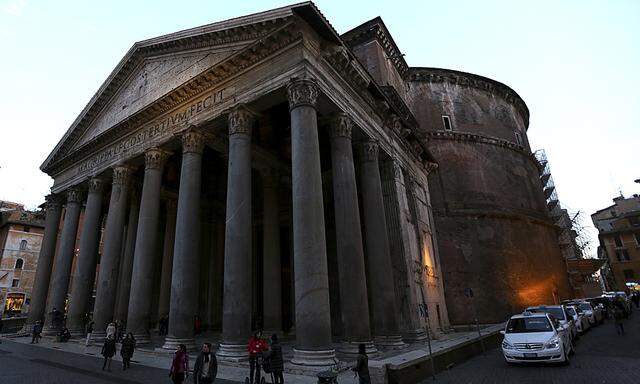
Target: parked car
(560,313)
(581,323)
(536,337)
(602,302)
(593,314)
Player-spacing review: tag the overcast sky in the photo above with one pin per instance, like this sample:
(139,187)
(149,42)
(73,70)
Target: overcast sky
(575,63)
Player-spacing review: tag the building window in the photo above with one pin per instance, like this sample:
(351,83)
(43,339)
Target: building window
(15,283)
(628,274)
(23,245)
(27,229)
(446,121)
(622,255)
(19,264)
(618,241)
(518,138)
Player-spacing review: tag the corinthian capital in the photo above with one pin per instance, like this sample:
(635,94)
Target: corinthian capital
(369,151)
(341,126)
(192,142)
(302,92)
(95,185)
(74,195)
(155,158)
(52,201)
(121,175)
(240,120)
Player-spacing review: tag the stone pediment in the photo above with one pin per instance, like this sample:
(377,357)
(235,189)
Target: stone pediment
(153,68)
(155,77)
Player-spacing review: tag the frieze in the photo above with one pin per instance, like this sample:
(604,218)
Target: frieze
(163,127)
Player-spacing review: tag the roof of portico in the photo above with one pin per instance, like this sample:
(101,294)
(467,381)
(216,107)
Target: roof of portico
(247,27)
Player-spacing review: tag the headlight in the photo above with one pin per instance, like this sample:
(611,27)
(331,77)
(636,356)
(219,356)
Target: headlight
(506,345)
(553,343)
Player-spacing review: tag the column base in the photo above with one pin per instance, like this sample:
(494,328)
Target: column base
(352,347)
(318,358)
(390,342)
(142,338)
(98,337)
(171,343)
(415,335)
(232,352)
(77,332)
(50,331)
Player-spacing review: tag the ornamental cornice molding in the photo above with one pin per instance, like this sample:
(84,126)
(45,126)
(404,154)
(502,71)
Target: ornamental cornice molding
(472,137)
(463,79)
(276,39)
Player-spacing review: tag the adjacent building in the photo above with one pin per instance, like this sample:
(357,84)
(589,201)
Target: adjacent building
(21,234)
(619,236)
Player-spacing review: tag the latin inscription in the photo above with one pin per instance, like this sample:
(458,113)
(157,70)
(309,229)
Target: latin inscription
(160,128)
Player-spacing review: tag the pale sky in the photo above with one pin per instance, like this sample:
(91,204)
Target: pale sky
(575,63)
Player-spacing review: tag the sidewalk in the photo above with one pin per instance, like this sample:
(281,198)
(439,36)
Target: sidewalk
(393,360)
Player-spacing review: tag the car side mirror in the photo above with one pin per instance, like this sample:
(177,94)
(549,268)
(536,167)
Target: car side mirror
(502,332)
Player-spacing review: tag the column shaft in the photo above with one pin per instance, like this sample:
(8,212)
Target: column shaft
(62,268)
(236,317)
(167,258)
(110,260)
(381,288)
(45,261)
(126,266)
(271,266)
(185,274)
(313,318)
(351,270)
(87,259)
(139,313)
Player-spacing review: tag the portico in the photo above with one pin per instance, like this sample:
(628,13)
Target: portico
(240,137)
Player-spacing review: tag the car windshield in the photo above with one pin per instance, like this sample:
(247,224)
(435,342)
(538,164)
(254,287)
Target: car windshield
(529,324)
(555,312)
(571,311)
(585,306)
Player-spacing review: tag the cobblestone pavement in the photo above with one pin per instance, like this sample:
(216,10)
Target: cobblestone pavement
(24,363)
(601,357)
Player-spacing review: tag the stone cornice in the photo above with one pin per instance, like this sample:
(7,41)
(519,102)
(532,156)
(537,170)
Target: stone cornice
(240,61)
(376,30)
(472,137)
(463,79)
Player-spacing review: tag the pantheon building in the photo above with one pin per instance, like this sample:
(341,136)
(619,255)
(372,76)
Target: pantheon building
(265,172)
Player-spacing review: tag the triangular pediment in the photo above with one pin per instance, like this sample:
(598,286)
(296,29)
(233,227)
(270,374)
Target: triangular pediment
(155,77)
(153,68)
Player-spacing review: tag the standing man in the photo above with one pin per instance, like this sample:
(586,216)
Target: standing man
(37,330)
(256,346)
(206,368)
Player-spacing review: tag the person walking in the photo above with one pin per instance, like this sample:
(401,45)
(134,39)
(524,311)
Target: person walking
(163,325)
(618,318)
(205,369)
(180,365)
(108,351)
(111,330)
(256,347)
(89,331)
(126,350)
(362,366)
(37,330)
(276,362)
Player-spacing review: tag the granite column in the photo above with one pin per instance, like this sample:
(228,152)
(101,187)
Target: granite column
(313,318)
(380,281)
(167,258)
(63,261)
(236,302)
(110,260)
(351,268)
(85,273)
(186,260)
(271,265)
(139,314)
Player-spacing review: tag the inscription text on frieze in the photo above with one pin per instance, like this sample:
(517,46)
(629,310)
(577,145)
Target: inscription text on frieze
(157,129)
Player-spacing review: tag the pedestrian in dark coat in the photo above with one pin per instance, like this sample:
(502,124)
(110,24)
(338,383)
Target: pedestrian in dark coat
(276,362)
(126,350)
(362,366)
(618,318)
(180,365)
(206,368)
(37,330)
(108,351)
